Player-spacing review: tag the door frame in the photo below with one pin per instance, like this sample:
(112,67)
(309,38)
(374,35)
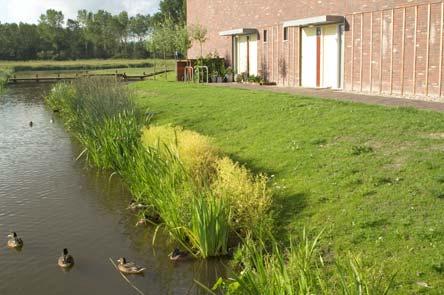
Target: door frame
(341,52)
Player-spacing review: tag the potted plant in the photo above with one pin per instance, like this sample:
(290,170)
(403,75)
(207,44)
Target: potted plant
(245,76)
(214,75)
(222,73)
(229,74)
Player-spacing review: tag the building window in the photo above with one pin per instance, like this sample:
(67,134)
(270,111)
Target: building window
(285,33)
(265,36)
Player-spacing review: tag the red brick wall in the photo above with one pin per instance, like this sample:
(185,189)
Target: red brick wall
(383,52)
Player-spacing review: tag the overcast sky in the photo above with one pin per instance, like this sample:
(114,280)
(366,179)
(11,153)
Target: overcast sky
(29,10)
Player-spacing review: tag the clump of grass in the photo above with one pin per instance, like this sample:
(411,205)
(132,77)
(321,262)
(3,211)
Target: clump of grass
(210,228)
(300,269)
(361,149)
(4,76)
(102,116)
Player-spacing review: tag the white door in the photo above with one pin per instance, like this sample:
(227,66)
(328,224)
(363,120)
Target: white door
(308,57)
(253,54)
(330,67)
(242,55)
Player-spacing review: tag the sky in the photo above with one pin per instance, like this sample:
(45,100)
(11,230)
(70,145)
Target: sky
(29,11)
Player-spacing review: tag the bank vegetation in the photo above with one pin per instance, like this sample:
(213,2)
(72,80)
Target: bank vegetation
(209,204)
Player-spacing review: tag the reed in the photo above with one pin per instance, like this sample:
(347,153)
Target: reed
(4,76)
(270,269)
(101,115)
(209,230)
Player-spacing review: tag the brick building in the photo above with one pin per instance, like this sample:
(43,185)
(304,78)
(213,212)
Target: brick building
(379,46)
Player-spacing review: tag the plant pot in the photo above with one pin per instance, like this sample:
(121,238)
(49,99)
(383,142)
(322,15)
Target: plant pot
(229,78)
(213,79)
(220,80)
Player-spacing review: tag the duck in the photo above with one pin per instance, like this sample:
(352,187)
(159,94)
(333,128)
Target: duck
(142,222)
(14,241)
(129,267)
(66,260)
(133,205)
(51,121)
(178,255)
(31,124)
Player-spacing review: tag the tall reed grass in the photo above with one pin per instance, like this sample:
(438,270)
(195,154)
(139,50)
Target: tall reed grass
(4,76)
(269,269)
(101,115)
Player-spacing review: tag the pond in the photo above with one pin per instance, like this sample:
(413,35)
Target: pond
(53,201)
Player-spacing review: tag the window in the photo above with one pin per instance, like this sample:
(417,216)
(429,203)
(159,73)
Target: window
(285,33)
(265,36)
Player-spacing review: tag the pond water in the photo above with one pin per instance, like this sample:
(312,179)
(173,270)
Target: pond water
(53,201)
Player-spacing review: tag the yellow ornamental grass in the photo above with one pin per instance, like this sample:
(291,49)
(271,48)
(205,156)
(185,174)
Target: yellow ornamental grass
(196,151)
(248,195)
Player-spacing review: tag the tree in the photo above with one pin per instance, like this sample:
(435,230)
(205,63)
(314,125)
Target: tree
(171,9)
(51,29)
(199,34)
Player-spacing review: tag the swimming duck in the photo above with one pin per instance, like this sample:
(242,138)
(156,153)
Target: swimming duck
(14,241)
(65,260)
(51,121)
(178,255)
(129,267)
(31,123)
(133,205)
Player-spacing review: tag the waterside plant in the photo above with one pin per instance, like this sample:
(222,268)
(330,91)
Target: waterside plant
(4,76)
(206,202)
(177,174)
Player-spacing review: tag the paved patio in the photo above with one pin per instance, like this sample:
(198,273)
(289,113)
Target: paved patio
(344,96)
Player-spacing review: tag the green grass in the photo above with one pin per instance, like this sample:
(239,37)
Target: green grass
(4,74)
(371,176)
(87,64)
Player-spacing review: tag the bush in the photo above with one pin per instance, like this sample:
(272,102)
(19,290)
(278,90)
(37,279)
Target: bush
(197,152)
(248,195)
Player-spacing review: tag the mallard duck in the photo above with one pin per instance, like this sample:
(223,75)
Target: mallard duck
(133,205)
(65,260)
(129,267)
(178,255)
(31,123)
(14,241)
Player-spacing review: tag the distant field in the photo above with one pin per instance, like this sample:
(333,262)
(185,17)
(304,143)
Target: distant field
(69,68)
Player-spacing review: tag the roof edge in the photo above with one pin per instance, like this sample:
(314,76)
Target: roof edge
(317,20)
(240,31)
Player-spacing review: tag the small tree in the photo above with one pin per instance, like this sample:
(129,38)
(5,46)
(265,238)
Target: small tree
(163,39)
(199,34)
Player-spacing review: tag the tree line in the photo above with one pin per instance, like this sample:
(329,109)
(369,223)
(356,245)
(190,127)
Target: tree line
(91,35)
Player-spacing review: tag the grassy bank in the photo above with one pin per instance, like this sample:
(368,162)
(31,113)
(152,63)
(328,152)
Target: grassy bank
(184,184)
(80,65)
(207,202)
(371,176)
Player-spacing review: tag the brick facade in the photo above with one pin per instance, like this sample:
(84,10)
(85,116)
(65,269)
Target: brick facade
(391,46)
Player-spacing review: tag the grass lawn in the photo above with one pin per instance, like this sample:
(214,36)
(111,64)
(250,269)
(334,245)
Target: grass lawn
(371,176)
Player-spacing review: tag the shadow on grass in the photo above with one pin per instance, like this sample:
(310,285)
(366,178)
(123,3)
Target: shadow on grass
(285,208)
